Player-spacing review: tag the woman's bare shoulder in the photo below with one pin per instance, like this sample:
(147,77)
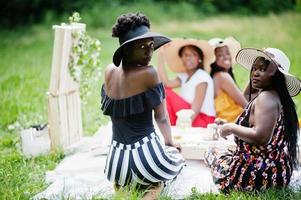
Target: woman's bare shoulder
(268,99)
(268,94)
(223,77)
(224,81)
(109,71)
(150,76)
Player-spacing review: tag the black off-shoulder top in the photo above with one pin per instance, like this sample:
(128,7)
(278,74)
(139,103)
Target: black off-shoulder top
(132,116)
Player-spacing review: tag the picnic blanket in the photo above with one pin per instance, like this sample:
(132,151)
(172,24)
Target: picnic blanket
(80,175)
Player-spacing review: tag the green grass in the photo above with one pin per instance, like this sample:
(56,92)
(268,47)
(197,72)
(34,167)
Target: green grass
(25,73)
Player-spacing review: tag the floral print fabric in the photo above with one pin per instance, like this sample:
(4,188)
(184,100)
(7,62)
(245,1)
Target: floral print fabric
(253,167)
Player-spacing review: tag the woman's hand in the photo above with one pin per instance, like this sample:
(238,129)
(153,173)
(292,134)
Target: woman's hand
(220,121)
(171,83)
(226,129)
(175,145)
(178,147)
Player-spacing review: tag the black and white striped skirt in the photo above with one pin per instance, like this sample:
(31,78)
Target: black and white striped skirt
(144,162)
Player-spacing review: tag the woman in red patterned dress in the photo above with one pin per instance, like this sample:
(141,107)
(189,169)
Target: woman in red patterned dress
(266,132)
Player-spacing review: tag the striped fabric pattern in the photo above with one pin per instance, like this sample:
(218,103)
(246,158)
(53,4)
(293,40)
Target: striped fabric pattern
(144,162)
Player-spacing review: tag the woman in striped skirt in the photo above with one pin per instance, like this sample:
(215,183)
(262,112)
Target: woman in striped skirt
(130,94)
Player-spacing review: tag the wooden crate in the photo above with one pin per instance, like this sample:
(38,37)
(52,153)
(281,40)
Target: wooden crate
(64,104)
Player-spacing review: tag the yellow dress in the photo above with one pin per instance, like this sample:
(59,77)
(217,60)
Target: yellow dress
(226,108)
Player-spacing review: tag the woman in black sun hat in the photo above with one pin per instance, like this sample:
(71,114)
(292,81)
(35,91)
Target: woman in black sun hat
(131,92)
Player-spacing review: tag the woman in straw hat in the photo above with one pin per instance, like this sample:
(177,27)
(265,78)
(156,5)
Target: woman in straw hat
(131,92)
(266,132)
(229,100)
(189,58)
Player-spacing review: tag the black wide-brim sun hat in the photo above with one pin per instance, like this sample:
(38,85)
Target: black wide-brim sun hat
(138,33)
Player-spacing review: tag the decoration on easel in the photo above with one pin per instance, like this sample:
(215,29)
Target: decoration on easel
(75,59)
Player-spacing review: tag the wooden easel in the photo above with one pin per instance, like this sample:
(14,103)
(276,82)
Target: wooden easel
(64,104)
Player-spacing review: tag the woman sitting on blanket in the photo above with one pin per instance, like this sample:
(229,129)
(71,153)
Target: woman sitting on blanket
(229,100)
(131,92)
(266,132)
(189,58)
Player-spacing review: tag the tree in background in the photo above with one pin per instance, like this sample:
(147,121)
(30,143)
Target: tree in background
(23,12)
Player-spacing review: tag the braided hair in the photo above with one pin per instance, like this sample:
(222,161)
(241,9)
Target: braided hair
(290,116)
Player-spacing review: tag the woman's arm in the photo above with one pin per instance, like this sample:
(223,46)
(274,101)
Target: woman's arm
(265,118)
(162,120)
(228,85)
(173,83)
(151,78)
(200,93)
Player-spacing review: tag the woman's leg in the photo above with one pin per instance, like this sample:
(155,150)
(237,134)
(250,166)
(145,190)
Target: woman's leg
(153,191)
(116,187)
(174,103)
(152,163)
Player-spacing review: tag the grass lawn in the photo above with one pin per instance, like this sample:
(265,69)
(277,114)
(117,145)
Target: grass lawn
(25,73)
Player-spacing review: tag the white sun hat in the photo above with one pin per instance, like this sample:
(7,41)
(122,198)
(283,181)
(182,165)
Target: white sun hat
(247,56)
(232,44)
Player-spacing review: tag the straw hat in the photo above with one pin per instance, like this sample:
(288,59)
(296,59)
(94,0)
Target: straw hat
(230,42)
(138,33)
(173,60)
(247,56)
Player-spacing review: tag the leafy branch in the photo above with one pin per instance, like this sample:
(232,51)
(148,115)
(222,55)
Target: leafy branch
(84,59)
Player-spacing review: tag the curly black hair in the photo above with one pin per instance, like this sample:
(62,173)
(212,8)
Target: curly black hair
(127,22)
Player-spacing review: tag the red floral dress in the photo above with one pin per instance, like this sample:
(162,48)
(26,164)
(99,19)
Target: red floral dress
(251,167)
